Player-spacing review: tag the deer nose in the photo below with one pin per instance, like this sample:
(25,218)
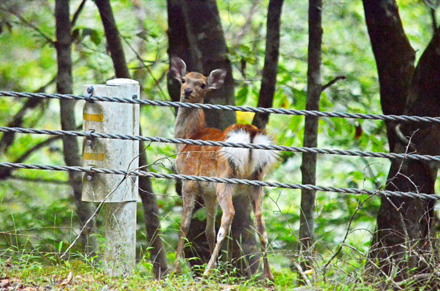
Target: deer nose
(187,92)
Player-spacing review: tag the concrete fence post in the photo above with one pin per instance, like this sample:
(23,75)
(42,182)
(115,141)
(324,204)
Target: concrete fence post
(118,193)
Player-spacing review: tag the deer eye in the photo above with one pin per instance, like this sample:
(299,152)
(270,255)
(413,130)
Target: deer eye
(203,85)
(183,80)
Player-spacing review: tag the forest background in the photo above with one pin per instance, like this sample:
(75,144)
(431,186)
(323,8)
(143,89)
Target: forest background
(38,210)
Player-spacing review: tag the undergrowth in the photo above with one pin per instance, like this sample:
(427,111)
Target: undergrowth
(38,271)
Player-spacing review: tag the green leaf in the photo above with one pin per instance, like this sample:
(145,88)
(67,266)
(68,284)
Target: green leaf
(95,37)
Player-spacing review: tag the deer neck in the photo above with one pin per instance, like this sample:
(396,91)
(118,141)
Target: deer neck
(189,123)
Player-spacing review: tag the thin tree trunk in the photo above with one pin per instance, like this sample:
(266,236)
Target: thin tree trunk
(308,166)
(113,38)
(270,70)
(152,220)
(149,202)
(70,144)
(178,44)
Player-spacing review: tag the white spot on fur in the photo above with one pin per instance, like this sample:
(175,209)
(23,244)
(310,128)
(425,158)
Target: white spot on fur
(221,234)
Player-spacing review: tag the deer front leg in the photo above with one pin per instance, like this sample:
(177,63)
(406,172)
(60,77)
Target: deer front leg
(188,196)
(257,202)
(224,196)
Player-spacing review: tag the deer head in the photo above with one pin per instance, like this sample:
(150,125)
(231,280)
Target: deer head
(194,86)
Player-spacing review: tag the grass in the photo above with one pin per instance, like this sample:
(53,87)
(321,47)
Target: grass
(48,272)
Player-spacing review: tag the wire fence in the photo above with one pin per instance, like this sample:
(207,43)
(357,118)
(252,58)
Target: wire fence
(314,113)
(91,134)
(256,183)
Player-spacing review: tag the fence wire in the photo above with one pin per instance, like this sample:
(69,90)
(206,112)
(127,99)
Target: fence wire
(90,134)
(256,183)
(314,113)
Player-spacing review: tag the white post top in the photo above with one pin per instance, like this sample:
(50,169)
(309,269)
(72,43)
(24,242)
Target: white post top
(121,81)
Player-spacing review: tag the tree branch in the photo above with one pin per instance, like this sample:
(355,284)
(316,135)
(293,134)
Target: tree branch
(6,172)
(17,121)
(39,180)
(78,12)
(434,20)
(139,57)
(36,147)
(329,84)
(30,25)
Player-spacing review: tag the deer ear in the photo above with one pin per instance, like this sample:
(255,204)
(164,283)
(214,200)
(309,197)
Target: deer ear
(177,68)
(216,79)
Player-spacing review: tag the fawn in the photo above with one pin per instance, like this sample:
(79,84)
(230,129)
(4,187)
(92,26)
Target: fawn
(216,162)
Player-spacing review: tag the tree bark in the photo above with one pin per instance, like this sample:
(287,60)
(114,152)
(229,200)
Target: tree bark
(403,238)
(395,68)
(270,70)
(209,51)
(178,44)
(113,38)
(308,166)
(149,202)
(205,34)
(158,253)
(70,144)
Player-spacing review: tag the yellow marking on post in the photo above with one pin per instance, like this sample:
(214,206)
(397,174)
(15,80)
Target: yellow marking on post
(93,157)
(93,117)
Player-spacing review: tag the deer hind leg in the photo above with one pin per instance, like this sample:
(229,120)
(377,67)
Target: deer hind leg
(188,196)
(211,211)
(257,201)
(224,196)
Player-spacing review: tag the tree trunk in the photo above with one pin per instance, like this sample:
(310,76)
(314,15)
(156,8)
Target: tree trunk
(205,34)
(403,238)
(394,58)
(209,51)
(158,253)
(149,202)
(178,44)
(70,144)
(270,70)
(308,166)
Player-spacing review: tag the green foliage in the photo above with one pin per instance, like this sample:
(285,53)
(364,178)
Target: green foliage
(39,217)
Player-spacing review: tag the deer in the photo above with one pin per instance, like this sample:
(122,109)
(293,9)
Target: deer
(213,161)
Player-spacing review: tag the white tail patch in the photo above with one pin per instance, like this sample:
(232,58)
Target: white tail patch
(242,159)
(239,157)
(263,158)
